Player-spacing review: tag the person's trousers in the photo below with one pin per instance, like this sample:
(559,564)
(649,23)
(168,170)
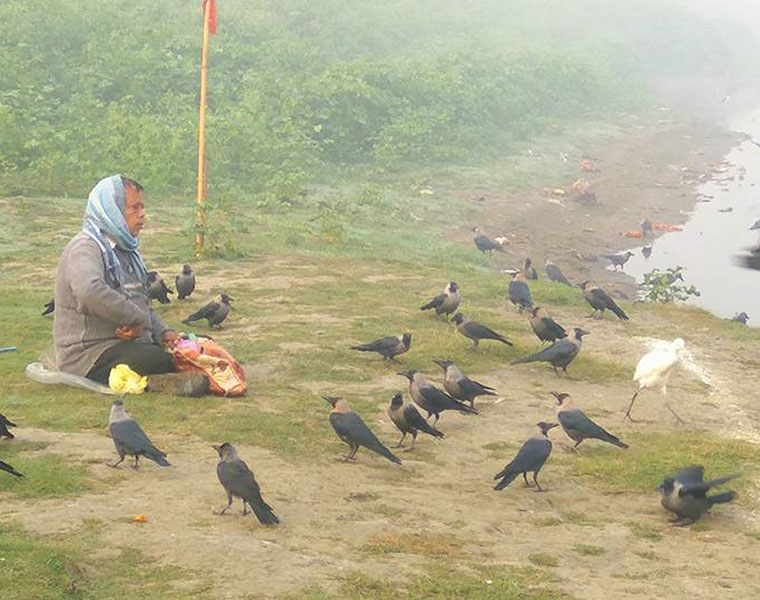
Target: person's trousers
(142,358)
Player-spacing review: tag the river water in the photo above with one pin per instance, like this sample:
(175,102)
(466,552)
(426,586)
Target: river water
(710,241)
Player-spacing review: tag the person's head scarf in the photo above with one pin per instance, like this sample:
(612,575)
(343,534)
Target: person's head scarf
(104,216)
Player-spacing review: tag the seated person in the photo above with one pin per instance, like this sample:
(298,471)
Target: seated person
(103,315)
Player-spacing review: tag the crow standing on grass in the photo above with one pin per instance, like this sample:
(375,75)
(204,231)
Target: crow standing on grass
(685,494)
(459,386)
(530,459)
(578,426)
(600,300)
(387,347)
(445,303)
(546,328)
(157,288)
(354,432)
(554,273)
(560,354)
(4,466)
(238,481)
(4,424)
(185,282)
(528,270)
(430,399)
(130,439)
(214,312)
(408,420)
(49,307)
(519,292)
(485,243)
(476,332)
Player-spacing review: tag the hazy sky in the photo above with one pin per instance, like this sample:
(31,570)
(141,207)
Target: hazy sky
(746,12)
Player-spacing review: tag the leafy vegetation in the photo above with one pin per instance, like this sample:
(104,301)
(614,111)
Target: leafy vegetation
(659,286)
(304,91)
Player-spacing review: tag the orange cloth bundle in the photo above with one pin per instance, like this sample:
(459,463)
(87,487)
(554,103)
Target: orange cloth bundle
(204,355)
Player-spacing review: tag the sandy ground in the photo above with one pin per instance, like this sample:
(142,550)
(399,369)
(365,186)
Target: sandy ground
(330,510)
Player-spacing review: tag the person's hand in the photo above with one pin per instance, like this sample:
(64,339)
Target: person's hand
(170,337)
(129,333)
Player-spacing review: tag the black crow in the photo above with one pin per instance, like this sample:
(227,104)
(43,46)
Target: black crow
(185,282)
(486,244)
(445,303)
(130,439)
(578,426)
(157,289)
(560,354)
(459,386)
(476,332)
(600,300)
(387,347)
(430,399)
(407,418)
(529,459)
(238,481)
(685,494)
(546,328)
(214,312)
(519,292)
(554,273)
(353,431)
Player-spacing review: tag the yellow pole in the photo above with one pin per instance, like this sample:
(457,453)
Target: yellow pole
(200,215)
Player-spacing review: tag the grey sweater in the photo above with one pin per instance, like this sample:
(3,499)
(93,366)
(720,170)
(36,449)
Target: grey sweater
(89,309)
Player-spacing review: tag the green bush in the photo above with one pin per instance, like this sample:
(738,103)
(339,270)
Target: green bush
(298,90)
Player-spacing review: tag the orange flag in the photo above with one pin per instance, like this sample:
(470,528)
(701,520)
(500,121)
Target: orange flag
(210,5)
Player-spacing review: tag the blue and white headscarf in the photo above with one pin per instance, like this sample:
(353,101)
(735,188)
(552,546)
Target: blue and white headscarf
(103,216)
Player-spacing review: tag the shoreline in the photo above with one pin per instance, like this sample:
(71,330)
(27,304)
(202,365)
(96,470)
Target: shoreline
(652,171)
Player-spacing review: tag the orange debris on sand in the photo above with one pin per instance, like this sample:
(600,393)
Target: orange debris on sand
(581,186)
(634,234)
(141,518)
(662,226)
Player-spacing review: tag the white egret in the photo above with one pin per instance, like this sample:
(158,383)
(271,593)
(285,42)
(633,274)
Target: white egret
(654,370)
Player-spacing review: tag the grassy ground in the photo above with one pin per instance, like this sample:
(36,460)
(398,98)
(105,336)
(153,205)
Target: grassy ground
(307,284)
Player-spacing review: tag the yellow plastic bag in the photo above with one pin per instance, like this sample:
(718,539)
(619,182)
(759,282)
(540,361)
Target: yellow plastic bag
(125,380)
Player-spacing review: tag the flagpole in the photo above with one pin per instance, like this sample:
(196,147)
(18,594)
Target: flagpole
(200,214)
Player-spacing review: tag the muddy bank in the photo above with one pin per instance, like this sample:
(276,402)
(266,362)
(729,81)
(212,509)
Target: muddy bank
(651,171)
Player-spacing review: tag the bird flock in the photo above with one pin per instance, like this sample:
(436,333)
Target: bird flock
(688,502)
(684,493)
